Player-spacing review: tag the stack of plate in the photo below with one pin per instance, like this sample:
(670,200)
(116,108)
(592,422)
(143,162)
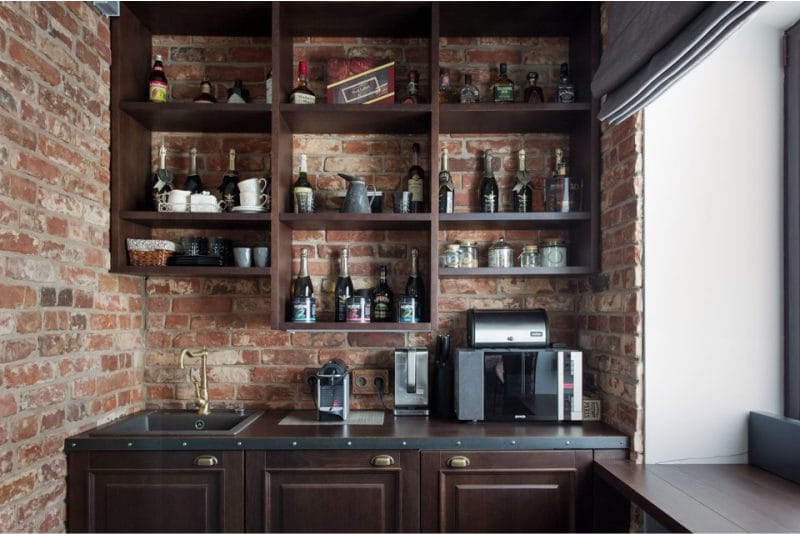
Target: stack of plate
(184,260)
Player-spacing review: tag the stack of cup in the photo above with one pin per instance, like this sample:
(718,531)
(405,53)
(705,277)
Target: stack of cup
(253,195)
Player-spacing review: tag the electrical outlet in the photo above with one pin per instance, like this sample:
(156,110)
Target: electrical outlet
(363,380)
(308,372)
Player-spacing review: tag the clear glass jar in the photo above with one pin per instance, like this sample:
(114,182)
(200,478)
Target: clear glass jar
(451,256)
(529,256)
(501,254)
(469,254)
(553,253)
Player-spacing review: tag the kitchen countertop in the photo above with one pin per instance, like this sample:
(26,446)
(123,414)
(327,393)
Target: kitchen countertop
(405,432)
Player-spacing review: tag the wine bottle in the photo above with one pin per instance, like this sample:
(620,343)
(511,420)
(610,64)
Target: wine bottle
(229,189)
(301,94)
(160,182)
(415,287)
(382,299)
(193,182)
(523,190)
(302,304)
(489,192)
(416,180)
(158,85)
(447,190)
(302,192)
(344,288)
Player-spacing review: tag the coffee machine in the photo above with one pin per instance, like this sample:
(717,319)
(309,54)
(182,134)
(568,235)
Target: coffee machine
(411,383)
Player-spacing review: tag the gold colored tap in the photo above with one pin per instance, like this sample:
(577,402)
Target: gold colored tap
(201,385)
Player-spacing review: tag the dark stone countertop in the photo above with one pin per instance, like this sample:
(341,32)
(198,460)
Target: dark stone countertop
(399,433)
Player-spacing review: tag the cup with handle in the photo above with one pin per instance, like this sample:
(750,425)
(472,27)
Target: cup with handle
(252,200)
(256,185)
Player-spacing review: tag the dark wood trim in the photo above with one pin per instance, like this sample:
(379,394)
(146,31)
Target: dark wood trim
(191,117)
(513,271)
(356,327)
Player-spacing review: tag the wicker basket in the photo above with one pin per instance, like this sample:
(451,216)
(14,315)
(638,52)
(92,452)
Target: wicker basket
(150,252)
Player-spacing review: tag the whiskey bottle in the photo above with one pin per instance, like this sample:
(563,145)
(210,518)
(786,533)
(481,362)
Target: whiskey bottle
(344,288)
(533,93)
(193,182)
(412,89)
(205,96)
(490,194)
(302,192)
(382,299)
(565,93)
(523,190)
(301,94)
(447,190)
(238,94)
(415,287)
(416,181)
(503,87)
(469,94)
(562,192)
(229,188)
(302,305)
(446,93)
(159,87)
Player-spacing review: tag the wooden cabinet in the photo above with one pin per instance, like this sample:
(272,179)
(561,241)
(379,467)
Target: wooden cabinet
(155,492)
(332,491)
(435,26)
(505,491)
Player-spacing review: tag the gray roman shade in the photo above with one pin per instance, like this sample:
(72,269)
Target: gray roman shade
(652,44)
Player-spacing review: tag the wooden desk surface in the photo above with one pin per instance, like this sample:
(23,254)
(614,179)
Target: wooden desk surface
(707,497)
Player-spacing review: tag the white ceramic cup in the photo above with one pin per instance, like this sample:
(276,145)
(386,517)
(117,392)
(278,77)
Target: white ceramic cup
(261,256)
(204,202)
(243,256)
(252,200)
(254,185)
(179,196)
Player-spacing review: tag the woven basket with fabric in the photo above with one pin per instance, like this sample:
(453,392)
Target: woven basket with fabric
(149,252)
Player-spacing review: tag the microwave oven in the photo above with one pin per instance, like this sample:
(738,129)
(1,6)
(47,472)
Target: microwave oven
(512,384)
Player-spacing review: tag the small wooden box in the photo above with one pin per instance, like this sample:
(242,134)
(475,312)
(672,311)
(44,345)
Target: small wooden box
(359,81)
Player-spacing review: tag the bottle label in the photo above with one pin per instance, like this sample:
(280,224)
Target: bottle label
(489,203)
(158,91)
(304,310)
(415,188)
(381,311)
(503,93)
(447,202)
(566,95)
(302,98)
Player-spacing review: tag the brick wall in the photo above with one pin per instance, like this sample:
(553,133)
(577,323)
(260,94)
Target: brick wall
(70,333)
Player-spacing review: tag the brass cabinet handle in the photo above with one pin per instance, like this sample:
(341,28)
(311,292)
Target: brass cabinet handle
(206,460)
(458,461)
(382,460)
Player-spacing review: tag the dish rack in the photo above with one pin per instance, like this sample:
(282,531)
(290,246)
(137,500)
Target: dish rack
(149,252)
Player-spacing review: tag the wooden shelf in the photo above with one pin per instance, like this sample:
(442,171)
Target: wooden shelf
(511,118)
(509,19)
(191,117)
(209,272)
(512,220)
(357,221)
(366,19)
(355,327)
(514,271)
(357,118)
(156,219)
(191,18)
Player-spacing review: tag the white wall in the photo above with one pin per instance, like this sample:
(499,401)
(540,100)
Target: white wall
(712,240)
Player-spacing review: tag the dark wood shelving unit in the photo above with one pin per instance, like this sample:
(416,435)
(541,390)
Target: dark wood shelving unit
(133,120)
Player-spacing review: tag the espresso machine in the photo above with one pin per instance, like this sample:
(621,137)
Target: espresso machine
(411,383)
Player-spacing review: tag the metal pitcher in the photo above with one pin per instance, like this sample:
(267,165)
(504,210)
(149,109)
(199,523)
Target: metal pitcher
(357,200)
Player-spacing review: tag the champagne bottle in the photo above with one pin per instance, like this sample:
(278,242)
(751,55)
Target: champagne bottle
(416,180)
(447,190)
(303,288)
(229,189)
(302,192)
(160,182)
(523,190)
(382,299)
(193,182)
(344,288)
(301,94)
(489,192)
(415,287)
(158,85)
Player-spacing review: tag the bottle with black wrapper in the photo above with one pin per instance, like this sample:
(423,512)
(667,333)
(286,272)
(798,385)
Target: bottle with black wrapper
(344,288)
(382,299)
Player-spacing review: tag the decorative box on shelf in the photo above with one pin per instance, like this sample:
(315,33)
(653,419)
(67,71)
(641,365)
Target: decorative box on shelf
(359,81)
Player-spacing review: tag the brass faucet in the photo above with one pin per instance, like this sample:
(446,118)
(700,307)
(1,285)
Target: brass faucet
(201,385)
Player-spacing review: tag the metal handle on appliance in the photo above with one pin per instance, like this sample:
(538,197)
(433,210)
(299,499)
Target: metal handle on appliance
(411,371)
(206,460)
(382,460)
(458,461)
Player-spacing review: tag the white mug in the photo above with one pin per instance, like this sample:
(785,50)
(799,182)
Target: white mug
(205,202)
(252,200)
(179,196)
(254,185)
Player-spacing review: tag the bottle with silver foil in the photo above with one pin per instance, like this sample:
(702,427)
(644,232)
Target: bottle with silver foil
(523,189)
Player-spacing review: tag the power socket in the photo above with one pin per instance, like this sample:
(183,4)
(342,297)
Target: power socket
(309,372)
(363,380)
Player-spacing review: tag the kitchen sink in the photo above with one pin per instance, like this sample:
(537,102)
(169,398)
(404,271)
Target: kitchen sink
(179,423)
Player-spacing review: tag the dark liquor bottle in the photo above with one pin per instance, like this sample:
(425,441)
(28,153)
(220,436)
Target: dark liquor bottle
(565,93)
(490,194)
(415,287)
(344,288)
(205,96)
(502,87)
(416,181)
(238,94)
(382,299)
(412,89)
(229,188)
(160,183)
(193,182)
(523,190)
(447,191)
(562,192)
(158,86)
(301,94)
(533,93)
(302,305)
(302,192)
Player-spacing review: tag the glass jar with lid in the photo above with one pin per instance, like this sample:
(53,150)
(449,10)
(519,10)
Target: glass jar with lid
(469,254)
(501,254)
(553,253)
(451,256)
(529,256)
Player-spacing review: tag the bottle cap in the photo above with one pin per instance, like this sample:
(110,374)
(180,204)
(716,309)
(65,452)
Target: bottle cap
(158,57)
(302,68)
(413,76)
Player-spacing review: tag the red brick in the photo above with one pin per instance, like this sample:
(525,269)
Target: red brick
(17,487)
(376,339)
(202,305)
(27,58)
(84,387)
(53,420)
(8,404)
(16,296)
(16,23)
(24,428)
(43,396)
(17,350)
(27,374)
(201,339)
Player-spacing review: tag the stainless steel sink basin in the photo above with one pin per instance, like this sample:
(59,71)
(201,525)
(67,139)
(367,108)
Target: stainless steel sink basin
(179,423)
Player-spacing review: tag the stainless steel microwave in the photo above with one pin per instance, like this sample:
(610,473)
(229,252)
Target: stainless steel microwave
(518,385)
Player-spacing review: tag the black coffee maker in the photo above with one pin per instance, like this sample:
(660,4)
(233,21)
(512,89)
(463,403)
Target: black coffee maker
(333,392)
(442,394)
